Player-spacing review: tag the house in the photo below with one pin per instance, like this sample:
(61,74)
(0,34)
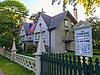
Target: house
(58,34)
(26,35)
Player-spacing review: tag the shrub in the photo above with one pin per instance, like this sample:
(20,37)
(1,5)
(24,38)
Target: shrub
(31,49)
(96,52)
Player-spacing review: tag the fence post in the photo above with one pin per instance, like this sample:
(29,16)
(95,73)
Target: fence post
(38,64)
(13,50)
(38,54)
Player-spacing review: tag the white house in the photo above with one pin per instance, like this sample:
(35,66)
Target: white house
(26,34)
(58,31)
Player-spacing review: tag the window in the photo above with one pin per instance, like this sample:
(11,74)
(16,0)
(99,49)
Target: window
(43,34)
(72,24)
(66,22)
(37,36)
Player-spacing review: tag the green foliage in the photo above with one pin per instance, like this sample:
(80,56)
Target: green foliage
(6,40)
(31,49)
(11,68)
(26,53)
(11,14)
(96,52)
(95,31)
(89,5)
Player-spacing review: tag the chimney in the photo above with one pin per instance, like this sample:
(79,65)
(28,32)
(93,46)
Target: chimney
(75,13)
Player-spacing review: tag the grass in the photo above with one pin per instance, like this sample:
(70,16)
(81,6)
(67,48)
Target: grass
(12,68)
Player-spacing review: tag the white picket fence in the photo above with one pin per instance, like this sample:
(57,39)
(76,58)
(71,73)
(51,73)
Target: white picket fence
(26,61)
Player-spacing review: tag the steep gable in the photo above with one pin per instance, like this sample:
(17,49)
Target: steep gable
(81,24)
(47,19)
(68,14)
(56,20)
(41,22)
(53,22)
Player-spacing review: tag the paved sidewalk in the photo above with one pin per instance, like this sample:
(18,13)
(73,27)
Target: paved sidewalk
(1,73)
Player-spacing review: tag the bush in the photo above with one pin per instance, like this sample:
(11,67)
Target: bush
(31,49)
(6,40)
(96,52)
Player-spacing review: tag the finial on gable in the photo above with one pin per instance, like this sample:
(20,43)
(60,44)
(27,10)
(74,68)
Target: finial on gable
(43,11)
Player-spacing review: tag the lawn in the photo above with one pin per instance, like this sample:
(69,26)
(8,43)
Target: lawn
(12,68)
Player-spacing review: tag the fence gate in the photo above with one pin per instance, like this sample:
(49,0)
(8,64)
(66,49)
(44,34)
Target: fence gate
(61,64)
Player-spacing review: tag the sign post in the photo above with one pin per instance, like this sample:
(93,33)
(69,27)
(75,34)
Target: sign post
(83,39)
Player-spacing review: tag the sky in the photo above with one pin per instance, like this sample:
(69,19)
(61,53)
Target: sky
(35,6)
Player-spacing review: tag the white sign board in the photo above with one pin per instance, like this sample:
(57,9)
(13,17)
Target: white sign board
(83,39)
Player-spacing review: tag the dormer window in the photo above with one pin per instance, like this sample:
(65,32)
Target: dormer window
(66,22)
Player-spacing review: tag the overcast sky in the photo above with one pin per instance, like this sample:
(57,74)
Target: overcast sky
(35,6)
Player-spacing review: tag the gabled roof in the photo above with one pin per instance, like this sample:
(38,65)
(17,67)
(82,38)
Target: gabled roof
(56,20)
(81,24)
(53,22)
(68,14)
(46,18)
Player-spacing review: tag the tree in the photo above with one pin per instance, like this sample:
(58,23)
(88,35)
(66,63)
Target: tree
(6,40)
(89,5)
(11,14)
(95,31)
(35,17)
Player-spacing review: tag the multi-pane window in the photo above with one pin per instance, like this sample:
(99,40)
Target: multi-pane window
(37,35)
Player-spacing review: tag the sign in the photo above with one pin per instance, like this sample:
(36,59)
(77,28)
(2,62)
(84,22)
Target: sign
(83,39)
